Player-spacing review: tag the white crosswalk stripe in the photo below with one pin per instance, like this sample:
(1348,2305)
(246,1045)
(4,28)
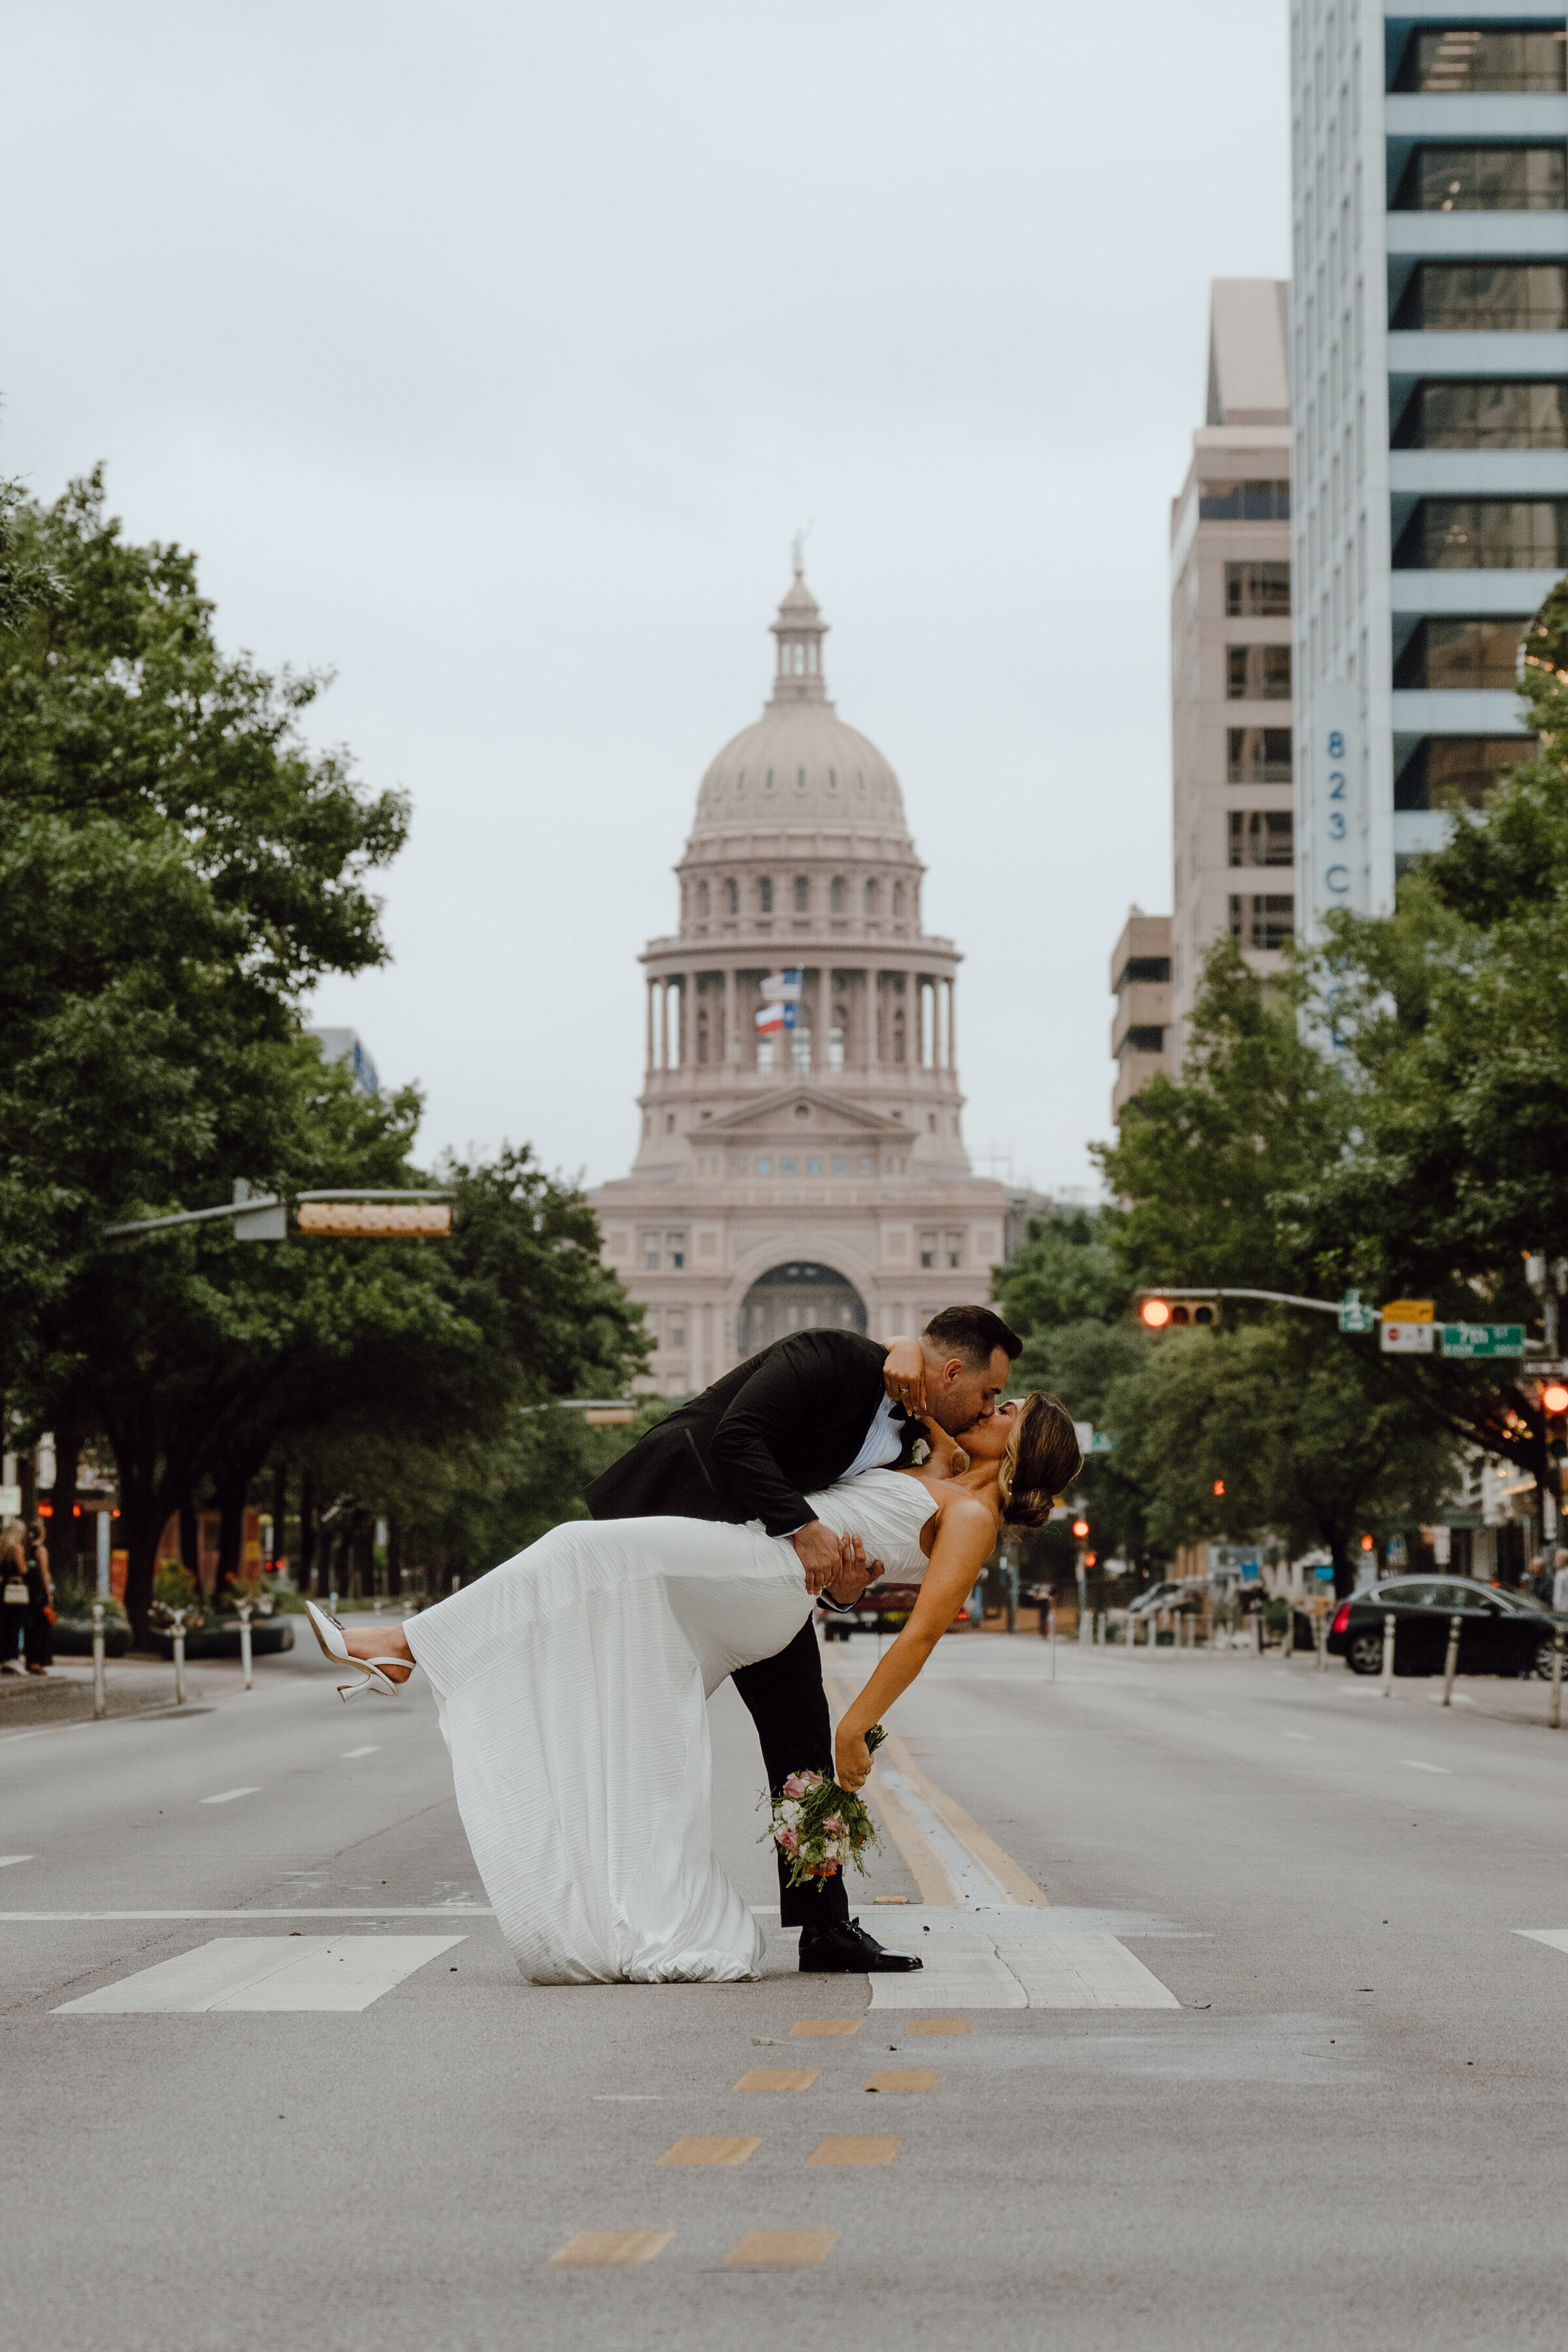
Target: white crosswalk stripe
(266,1972)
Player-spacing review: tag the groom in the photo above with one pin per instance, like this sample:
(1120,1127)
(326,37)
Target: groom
(810,1408)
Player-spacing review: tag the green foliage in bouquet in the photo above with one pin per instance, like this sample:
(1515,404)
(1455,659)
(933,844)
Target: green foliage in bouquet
(819,1825)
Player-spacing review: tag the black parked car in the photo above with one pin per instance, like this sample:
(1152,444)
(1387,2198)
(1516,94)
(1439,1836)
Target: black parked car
(1502,1633)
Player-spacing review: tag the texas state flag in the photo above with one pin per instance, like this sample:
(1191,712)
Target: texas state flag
(782,991)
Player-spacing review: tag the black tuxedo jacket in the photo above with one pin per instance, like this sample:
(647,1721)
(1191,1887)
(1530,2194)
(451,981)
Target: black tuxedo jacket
(776,1429)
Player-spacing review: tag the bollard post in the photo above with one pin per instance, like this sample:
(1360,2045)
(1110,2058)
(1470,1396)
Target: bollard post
(179,1657)
(1085,1626)
(1257,1632)
(332,1602)
(1320,1640)
(1451,1662)
(1388,1654)
(100,1693)
(1556,1717)
(244,1607)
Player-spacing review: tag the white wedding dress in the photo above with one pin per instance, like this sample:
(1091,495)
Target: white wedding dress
(572,1685)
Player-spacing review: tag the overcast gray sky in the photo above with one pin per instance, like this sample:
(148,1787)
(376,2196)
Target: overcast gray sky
(491,354)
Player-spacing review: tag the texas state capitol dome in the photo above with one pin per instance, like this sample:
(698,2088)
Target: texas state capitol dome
(816,1176)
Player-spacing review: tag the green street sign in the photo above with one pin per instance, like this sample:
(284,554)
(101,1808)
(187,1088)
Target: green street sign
(1482,1339)
(1353,1316)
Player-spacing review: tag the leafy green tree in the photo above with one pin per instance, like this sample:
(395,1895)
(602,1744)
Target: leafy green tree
(1277,1426)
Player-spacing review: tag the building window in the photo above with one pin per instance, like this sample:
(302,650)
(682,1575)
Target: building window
(1258,673)
(868,1165)
(953,1249)
(1262,837)
(928,1249)
(1144,1038)
(650,1252)
(1259,591)
(1154,968)
(800,1049)
(836,1047)
(899,1037)
(1462,655)
(702,898)
(675,1249)
(1258,755)
(898,899)
(1488,297)
(1244,501)
(802,894)
(732,896)
(814,1167)
(1485,535)
(1476,415)
(800,779)
(1466,58)
(765,897)
(841,1168)
(835,895)
(786,1166)
(741,781)
(1444,768)
(677,1335)
(1263,924)
(765,1057)
(768,781)
(1484,180)
(702,1035)
(833,779)
(764,1167)
(870,898)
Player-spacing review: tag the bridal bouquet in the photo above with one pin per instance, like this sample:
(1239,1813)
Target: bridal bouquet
(819,1825)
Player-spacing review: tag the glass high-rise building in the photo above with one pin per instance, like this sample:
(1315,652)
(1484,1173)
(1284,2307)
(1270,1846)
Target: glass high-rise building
(1429,372)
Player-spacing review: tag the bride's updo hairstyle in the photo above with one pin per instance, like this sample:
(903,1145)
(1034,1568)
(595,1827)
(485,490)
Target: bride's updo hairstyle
(1043,1457)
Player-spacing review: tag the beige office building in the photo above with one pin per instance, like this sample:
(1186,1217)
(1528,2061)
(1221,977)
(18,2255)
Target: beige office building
(790,1177)
(1141,983)
(1232,715)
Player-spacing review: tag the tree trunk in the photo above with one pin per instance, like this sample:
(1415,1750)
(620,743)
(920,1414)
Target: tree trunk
(280,1513)
(231,1497)
(190,1538)
(306,1578)
(68,1460)
(1344,1575)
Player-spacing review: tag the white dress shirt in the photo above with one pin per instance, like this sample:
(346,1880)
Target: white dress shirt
(883,1442)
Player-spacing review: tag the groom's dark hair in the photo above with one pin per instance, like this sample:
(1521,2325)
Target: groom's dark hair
(975,1333)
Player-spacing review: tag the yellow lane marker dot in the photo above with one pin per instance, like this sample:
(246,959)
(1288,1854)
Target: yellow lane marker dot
(937,2025)
(780,2249)
(904,2078)
(827,2025)
(711,2151)
(778,2078)
(610,2249)
(855,2151)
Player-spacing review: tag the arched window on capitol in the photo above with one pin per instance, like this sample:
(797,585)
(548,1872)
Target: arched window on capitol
(766,896)
(836,893)
(732,897)
(870,898)
(802,894)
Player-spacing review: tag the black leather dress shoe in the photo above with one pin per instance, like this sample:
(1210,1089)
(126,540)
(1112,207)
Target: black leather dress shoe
(846,1949)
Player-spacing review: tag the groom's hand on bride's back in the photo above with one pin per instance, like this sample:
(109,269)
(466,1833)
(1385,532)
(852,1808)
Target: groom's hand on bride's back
(828,1558)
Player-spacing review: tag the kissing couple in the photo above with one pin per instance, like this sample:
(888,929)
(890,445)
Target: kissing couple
(572,1681)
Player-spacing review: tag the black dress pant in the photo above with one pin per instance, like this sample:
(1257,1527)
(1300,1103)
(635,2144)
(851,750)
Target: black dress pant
(789,1707)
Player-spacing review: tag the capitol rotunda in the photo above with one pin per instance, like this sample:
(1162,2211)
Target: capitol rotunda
(813,1175)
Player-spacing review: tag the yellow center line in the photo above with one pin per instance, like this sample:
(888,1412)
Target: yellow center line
(780,2249)
(778,2078)
(610,2249)
(918,1854)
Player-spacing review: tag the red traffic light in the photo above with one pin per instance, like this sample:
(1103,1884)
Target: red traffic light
(1156,1313)
(1219,1485)
(1554,1397)
(1179,1311)
(1081,1528)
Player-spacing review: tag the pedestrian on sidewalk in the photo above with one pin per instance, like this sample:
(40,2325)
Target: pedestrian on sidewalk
(12,1599)
(40,1645)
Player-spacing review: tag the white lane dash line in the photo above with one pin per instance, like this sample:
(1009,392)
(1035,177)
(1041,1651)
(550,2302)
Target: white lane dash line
(267,1972)
(1411,1765)
(228,1795)
(349,1754)
(7,1858)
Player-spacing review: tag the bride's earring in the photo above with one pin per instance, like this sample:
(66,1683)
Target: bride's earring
(959,1464)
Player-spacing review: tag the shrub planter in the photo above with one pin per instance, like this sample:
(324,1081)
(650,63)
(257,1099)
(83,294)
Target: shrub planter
(222,1641)
(73,1637)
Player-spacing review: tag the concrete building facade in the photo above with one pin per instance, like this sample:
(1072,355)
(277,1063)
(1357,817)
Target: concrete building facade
(813,1173)
(1430,362)
(1232,713)
(1141,1041)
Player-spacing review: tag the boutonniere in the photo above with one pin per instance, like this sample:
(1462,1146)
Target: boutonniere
(920,1451)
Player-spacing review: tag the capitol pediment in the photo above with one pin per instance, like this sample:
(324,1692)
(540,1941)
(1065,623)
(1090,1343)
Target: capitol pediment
(798,1112)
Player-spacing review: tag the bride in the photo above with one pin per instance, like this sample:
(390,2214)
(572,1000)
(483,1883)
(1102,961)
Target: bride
(570,1685)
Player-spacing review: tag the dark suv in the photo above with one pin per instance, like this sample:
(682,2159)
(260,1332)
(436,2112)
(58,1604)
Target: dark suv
(1500,1633)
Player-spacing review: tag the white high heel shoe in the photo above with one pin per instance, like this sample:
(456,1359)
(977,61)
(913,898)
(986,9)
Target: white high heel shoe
(330,1635)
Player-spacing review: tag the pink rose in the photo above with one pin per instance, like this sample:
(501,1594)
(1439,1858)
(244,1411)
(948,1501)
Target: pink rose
(797,1784)
(789,1840)
(834,1826)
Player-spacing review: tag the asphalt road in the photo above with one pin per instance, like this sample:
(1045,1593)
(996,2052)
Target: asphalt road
(1342,2124)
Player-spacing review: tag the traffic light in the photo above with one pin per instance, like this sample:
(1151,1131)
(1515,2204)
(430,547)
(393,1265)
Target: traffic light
(376,1220)
(1554,1398)
(1175,1310)
(1080,1529)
